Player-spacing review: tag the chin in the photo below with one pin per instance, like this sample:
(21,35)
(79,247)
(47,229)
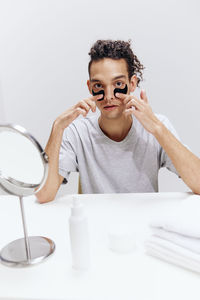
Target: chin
(112,115)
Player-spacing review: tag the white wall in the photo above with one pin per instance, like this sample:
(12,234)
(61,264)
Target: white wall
(2,112)
(44,49)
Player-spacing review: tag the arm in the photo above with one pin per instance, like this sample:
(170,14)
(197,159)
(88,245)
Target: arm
(54,179)
(185,162)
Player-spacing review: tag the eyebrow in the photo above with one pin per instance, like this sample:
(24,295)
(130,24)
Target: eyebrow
(115,78)
(119,77)
(94,80)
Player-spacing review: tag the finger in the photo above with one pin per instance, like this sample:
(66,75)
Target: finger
(96,97)
(138,104)
(91,104)
(143,96)
(137,114)
(124,97)
(83,104)
(121,96)
(134,103)
(129,111)
(130,103)
(132,111)
(81,111)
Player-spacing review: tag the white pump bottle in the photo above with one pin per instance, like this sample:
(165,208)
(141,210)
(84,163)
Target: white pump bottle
(79,236)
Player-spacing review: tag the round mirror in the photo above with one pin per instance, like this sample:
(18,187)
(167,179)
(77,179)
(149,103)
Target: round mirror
(23,172)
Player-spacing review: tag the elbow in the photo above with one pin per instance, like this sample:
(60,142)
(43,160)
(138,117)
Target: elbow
(196,191)
(44,198)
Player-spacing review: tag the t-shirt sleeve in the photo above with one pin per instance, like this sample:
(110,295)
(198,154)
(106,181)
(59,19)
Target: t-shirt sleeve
(67,155)
(165,161)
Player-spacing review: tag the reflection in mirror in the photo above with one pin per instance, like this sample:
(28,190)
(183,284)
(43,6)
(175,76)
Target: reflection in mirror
(19,158)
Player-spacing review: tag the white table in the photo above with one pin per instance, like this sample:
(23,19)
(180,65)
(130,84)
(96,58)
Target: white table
(112,276)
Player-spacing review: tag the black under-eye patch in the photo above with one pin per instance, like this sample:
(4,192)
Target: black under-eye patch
(117,90)
(123,91)
(98,93)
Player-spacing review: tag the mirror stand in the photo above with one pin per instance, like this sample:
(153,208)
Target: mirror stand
(28,250)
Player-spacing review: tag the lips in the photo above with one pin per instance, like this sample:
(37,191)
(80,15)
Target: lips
(113,105)
(110,107)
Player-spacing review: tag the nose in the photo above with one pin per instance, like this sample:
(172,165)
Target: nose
(109,94)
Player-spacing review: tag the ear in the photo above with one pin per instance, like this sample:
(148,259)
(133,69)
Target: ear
(89,86)
(133,83)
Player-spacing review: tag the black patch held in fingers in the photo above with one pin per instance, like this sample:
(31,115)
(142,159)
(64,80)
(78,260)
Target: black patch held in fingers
(98,93)
(123,91)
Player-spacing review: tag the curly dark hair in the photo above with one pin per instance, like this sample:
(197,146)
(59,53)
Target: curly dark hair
(117,50)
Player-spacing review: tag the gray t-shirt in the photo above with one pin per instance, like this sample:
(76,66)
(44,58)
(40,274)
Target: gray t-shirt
(106,166)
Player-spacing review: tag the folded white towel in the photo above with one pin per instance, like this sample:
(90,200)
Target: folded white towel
(182,218)
(190,243)
(176,234)
(172,253)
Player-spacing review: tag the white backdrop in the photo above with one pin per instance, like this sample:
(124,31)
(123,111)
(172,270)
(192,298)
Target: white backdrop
(44,49)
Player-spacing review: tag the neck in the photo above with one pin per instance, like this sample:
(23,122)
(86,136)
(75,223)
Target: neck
(116,129)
